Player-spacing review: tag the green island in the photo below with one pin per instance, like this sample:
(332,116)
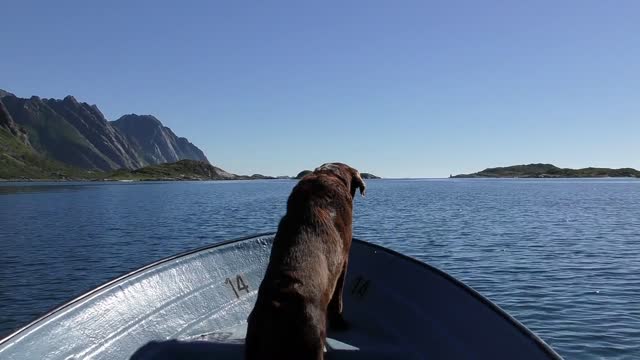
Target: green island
(34,168)
(549,171)
(179,170)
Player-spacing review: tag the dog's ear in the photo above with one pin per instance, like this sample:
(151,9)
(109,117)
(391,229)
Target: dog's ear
(357,183)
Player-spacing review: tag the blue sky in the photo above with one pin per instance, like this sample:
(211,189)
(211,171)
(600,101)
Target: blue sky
(397,88)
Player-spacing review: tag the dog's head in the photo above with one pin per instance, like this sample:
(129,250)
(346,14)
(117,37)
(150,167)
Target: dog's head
(350,176)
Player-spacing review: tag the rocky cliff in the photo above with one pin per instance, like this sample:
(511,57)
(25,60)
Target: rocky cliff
(156,143)
(7,123)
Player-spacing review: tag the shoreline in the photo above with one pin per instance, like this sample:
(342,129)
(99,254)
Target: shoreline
(269,179)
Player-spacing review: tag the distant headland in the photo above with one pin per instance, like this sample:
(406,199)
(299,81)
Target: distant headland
(62,140)
(182,170)
(549,171)
(179,170)
(189,170)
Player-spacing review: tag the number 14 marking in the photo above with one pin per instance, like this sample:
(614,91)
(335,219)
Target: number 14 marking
(239,285)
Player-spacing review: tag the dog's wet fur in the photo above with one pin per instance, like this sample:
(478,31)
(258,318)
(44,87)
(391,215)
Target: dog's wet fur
(302,287)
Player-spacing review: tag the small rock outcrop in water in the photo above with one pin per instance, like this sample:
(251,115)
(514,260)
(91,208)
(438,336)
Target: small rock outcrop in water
(368,176)
(549,171)
(303,173)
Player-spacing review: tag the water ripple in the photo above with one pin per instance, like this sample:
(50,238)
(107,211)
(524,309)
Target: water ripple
(562,256)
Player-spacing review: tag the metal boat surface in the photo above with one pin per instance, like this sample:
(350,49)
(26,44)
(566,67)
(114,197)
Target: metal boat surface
(195,306)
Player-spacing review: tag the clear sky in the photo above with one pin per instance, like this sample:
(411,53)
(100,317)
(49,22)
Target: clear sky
(396,88)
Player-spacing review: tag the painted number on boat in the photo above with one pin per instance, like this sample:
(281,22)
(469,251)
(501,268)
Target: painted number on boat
(360,287)
(238,285)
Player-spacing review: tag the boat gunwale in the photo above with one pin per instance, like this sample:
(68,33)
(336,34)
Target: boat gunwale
(108,283)
(475,294)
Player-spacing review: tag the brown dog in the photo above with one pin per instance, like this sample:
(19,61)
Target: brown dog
(302,287)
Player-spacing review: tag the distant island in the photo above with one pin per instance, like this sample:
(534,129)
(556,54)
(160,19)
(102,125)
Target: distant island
(368,176)
(364,175)
(549,171)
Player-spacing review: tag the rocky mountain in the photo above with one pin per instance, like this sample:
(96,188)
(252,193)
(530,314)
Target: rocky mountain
(156,143)
(18,159)
(77,134)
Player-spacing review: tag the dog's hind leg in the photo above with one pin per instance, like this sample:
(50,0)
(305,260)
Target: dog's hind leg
(334,310)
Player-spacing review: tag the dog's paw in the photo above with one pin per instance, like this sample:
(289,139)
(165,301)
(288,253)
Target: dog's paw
(338,323)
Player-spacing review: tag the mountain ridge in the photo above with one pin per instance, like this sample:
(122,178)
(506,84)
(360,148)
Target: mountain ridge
(78,135)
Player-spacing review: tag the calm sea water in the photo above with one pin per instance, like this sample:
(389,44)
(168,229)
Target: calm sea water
(562,256)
